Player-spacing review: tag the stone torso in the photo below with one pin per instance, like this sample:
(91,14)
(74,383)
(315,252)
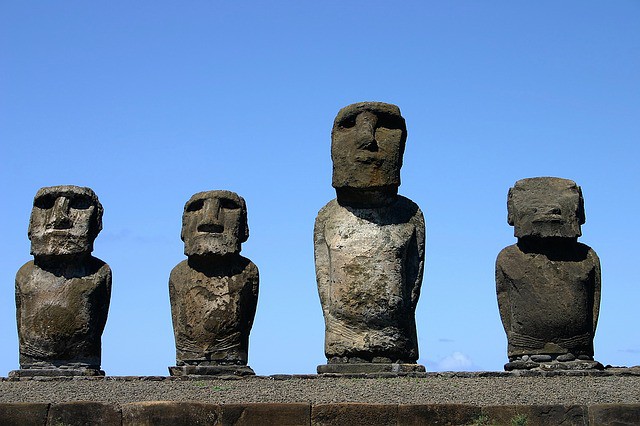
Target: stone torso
(368,265)
(213,310)
(61,313)
(548,303)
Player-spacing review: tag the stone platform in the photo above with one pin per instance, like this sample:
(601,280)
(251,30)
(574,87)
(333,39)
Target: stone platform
(609,396)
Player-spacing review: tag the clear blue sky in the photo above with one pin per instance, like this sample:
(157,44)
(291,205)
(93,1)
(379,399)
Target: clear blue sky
(148,102)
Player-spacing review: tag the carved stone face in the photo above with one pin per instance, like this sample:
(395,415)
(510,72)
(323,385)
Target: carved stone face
(214,222)
(65,220)
(367,144)
(546,207)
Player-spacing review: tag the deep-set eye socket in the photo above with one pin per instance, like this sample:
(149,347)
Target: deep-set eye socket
(229,204)
(195,205)
(390,121)
(80,202)
(348,122)
(44,202)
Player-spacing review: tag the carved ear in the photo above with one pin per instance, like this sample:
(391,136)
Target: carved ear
(580,213)
(510,207)
(244,222)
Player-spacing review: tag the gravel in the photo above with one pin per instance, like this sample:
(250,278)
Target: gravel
(481,389)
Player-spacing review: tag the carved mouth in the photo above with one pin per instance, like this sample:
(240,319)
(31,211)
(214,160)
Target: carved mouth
(210,228)
(57,231)
(369,159)
(550,218)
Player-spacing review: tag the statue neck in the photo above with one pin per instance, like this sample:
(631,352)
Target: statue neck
(367,197)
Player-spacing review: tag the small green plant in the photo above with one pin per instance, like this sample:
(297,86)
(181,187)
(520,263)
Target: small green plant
(519,420)
(219,388)
(481,420)
(200,384)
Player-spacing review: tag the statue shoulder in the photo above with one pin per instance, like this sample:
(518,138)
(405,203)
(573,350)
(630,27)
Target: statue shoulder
(328,209)
(100,266)
(591,254)
(507,253)
(26,272)
(179,269)
(247,266)
(409,209)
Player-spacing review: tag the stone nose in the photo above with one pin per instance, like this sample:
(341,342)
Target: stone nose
(212,211)
(60,214)
(366,123)
(212,217)
(552,209)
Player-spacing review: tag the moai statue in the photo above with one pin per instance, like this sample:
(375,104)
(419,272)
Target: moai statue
(62,296)
(548,284)
(369,247)
(214,292)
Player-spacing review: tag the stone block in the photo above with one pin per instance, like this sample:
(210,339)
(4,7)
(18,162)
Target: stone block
(370,367)
(170,413)
(84,413)
(354,414)
(266,414)
(23,413)
(437,414)
(535,415)
(614,414)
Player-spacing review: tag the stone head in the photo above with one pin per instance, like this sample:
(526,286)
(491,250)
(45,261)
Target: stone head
(546,207)
(367,144)
(65,220)
(214,222)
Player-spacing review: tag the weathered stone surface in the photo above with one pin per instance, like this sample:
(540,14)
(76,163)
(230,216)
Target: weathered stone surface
(265,414)
(84,414)
(211,370)
(167,413)
(214,292)
(369,243)
(354,414)
(535,415)
(23,413)
(614,414)
(548,284)
(438,414)
(369,367)
(62,296)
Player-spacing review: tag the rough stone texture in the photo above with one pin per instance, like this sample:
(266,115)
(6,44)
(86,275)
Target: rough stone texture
(84,413)
(197,413)
(358,368)
(170,413)
(614,414)
(62,296)
(535,415)
(548,284)
(354,414)
(369,244)
(523,387)
(266,414)
(23,413)
(214,292)
(442,414)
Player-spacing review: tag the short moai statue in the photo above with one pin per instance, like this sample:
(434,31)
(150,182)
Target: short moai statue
(548,284)
(369,247)
(63,294)
(214,292)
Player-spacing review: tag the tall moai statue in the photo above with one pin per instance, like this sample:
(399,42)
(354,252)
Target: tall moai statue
(548,284)
(369,247)
(214,292)
(63,294)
